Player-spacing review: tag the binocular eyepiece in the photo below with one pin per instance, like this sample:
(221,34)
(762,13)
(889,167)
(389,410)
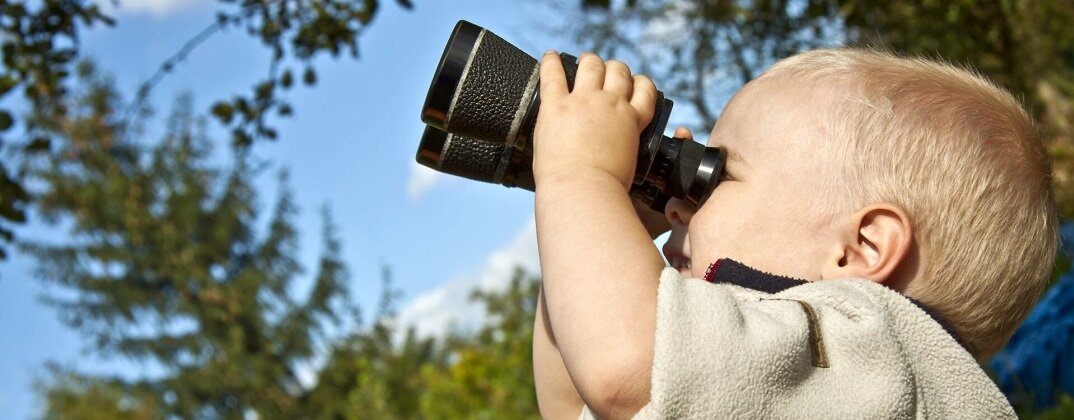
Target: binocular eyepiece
(482,106)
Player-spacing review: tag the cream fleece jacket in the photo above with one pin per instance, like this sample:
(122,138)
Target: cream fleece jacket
(834,349)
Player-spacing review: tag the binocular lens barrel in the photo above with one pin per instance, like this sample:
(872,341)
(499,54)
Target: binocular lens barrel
(472,158)
(483,87)
(482,106)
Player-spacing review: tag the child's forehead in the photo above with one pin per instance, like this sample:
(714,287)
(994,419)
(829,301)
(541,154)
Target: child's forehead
(775,97)
(776,116)
(772,99)
(794,91)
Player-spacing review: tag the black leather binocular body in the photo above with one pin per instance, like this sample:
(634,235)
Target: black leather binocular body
(482,106)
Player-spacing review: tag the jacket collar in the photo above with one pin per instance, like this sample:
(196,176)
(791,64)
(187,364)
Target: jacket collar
(729,271)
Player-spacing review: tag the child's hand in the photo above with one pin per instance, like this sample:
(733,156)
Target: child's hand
(594,129)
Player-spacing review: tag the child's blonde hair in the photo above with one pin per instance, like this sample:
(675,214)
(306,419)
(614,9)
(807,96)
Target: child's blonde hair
(965,161)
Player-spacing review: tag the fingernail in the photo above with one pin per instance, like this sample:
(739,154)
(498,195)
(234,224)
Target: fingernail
(549,52)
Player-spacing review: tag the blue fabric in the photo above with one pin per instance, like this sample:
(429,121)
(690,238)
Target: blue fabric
(1036,365)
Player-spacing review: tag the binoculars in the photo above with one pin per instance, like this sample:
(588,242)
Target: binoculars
(482,106)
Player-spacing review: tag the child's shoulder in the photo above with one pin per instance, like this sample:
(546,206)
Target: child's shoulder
(849,347)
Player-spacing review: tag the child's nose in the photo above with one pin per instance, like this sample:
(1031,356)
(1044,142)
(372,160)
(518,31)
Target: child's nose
(678,212)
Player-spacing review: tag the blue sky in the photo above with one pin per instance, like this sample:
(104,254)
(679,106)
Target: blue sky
(350,145)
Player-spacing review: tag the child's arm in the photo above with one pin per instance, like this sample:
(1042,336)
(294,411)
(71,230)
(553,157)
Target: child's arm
(556,396)
(599,266)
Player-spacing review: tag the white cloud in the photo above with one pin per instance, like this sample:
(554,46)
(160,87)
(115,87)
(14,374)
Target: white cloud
(157,8)
(435,313)
(422,179)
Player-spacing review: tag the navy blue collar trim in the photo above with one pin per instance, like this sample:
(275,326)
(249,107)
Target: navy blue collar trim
(732,272)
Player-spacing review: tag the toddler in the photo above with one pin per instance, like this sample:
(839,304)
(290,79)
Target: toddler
(882,224)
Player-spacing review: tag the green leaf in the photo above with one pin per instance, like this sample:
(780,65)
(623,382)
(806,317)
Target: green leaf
(240,139)
(12,214)
(309,77)
(5,120)
(286,79)
(264,90)
(596,4)
(7,83)
(38,145)
(223,111)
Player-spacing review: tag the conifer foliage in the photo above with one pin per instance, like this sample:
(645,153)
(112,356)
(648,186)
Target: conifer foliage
(165,265)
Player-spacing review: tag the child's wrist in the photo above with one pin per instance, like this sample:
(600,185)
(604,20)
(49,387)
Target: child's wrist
(580,179)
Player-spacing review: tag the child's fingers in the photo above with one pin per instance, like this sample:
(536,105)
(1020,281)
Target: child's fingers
(617,78)
(590,73)
(553,80)
(644,98)
(684,133)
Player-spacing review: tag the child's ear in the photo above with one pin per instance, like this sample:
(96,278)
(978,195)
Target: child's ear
(874,243)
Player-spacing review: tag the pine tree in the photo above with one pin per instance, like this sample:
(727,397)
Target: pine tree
(41,44)
(165,265)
